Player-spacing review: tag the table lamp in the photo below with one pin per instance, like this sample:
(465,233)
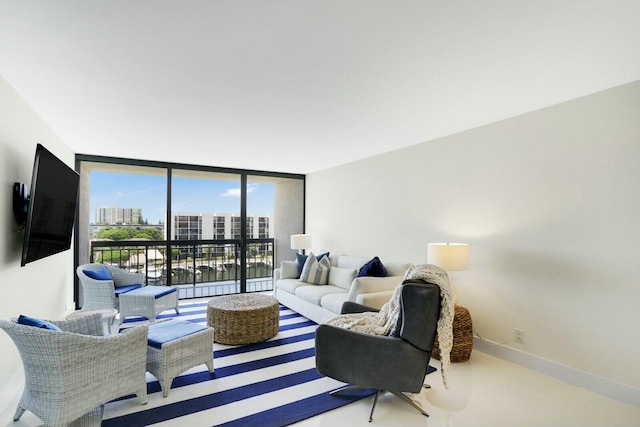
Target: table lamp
(300,242)
(454,257)
(449,256)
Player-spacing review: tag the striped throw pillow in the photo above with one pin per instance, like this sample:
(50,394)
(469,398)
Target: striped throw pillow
(314,271)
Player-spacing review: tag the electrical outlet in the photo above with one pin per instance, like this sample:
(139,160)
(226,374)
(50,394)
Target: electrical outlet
(518,335)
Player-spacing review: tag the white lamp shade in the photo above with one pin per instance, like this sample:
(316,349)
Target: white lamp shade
(449,256)
(300,241)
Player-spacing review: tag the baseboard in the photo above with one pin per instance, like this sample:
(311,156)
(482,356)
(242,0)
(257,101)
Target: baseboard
(577,377)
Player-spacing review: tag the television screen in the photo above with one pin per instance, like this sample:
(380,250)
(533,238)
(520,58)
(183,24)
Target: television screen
(52,207)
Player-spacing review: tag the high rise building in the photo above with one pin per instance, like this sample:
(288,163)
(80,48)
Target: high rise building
(205,226)
(116,215)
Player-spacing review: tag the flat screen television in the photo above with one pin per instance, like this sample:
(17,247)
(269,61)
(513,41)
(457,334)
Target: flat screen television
(51,208)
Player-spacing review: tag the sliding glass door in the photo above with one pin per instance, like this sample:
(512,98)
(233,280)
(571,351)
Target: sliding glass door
(209,231)
(205,237)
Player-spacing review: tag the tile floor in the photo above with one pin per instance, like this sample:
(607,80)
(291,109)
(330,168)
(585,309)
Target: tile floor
(484,391)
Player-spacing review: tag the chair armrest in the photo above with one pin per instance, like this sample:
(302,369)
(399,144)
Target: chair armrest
(123,277)
(346,356)
(90,324)
(97,293)
(276,275)
(116,364)
(352,307)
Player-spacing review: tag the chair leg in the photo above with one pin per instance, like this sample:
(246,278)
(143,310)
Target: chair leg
(349,388)
(18,414)
(373,408)
(165,385)
(142,395)
(345,389)
(411,402)
(92,418)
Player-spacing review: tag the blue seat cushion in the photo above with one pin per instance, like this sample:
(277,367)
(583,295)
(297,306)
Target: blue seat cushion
(99,274)
(38,323)
(126,288)
(163,332)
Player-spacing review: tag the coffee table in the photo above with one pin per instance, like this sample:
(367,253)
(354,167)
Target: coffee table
(243,318)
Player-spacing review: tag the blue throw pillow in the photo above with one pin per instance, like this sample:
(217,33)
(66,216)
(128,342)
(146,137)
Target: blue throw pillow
(99,274)
(301,259)
(373,268)
(32,321)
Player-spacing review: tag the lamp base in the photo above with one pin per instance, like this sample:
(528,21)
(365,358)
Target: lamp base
(462,337)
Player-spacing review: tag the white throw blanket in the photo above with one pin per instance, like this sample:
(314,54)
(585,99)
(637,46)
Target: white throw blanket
(381,323)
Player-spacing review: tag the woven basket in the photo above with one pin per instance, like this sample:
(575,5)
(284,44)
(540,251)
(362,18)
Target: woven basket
(243,319)
(462,337)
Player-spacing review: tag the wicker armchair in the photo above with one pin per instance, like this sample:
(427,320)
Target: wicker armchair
(70,373)
(102,293)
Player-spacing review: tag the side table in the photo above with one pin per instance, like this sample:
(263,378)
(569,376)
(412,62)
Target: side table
(462,337)
(108,316)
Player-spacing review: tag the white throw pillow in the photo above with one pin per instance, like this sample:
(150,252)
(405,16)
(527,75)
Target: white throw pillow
(288,270)
(342,277)
(314,271)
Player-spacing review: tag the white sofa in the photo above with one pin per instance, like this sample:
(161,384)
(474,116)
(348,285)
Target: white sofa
(322,302)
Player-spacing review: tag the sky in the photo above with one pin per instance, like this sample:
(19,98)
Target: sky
(190,195)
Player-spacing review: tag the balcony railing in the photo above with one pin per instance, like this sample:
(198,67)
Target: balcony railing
(199,268)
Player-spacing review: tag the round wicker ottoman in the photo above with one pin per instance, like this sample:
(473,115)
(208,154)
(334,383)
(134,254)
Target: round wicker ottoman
(462,337)
(243,319)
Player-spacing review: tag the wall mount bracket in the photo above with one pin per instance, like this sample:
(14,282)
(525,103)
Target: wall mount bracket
(20,202)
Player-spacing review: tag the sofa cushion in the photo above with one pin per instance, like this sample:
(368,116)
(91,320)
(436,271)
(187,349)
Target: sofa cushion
(314,271)
(289,270)
(342,277)
(99,273)
(395,268)
(333,302)
(348,261)
(373,267)
(289,285)
(314,294)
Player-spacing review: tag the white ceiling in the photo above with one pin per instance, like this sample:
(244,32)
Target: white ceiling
(300,86)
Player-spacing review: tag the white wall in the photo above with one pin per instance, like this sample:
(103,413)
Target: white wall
(40,288)
(548,201)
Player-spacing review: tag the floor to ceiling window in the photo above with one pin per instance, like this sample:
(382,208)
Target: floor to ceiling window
(205,208)
(208,231)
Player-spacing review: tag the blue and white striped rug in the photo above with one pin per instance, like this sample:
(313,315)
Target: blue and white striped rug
(273,383)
